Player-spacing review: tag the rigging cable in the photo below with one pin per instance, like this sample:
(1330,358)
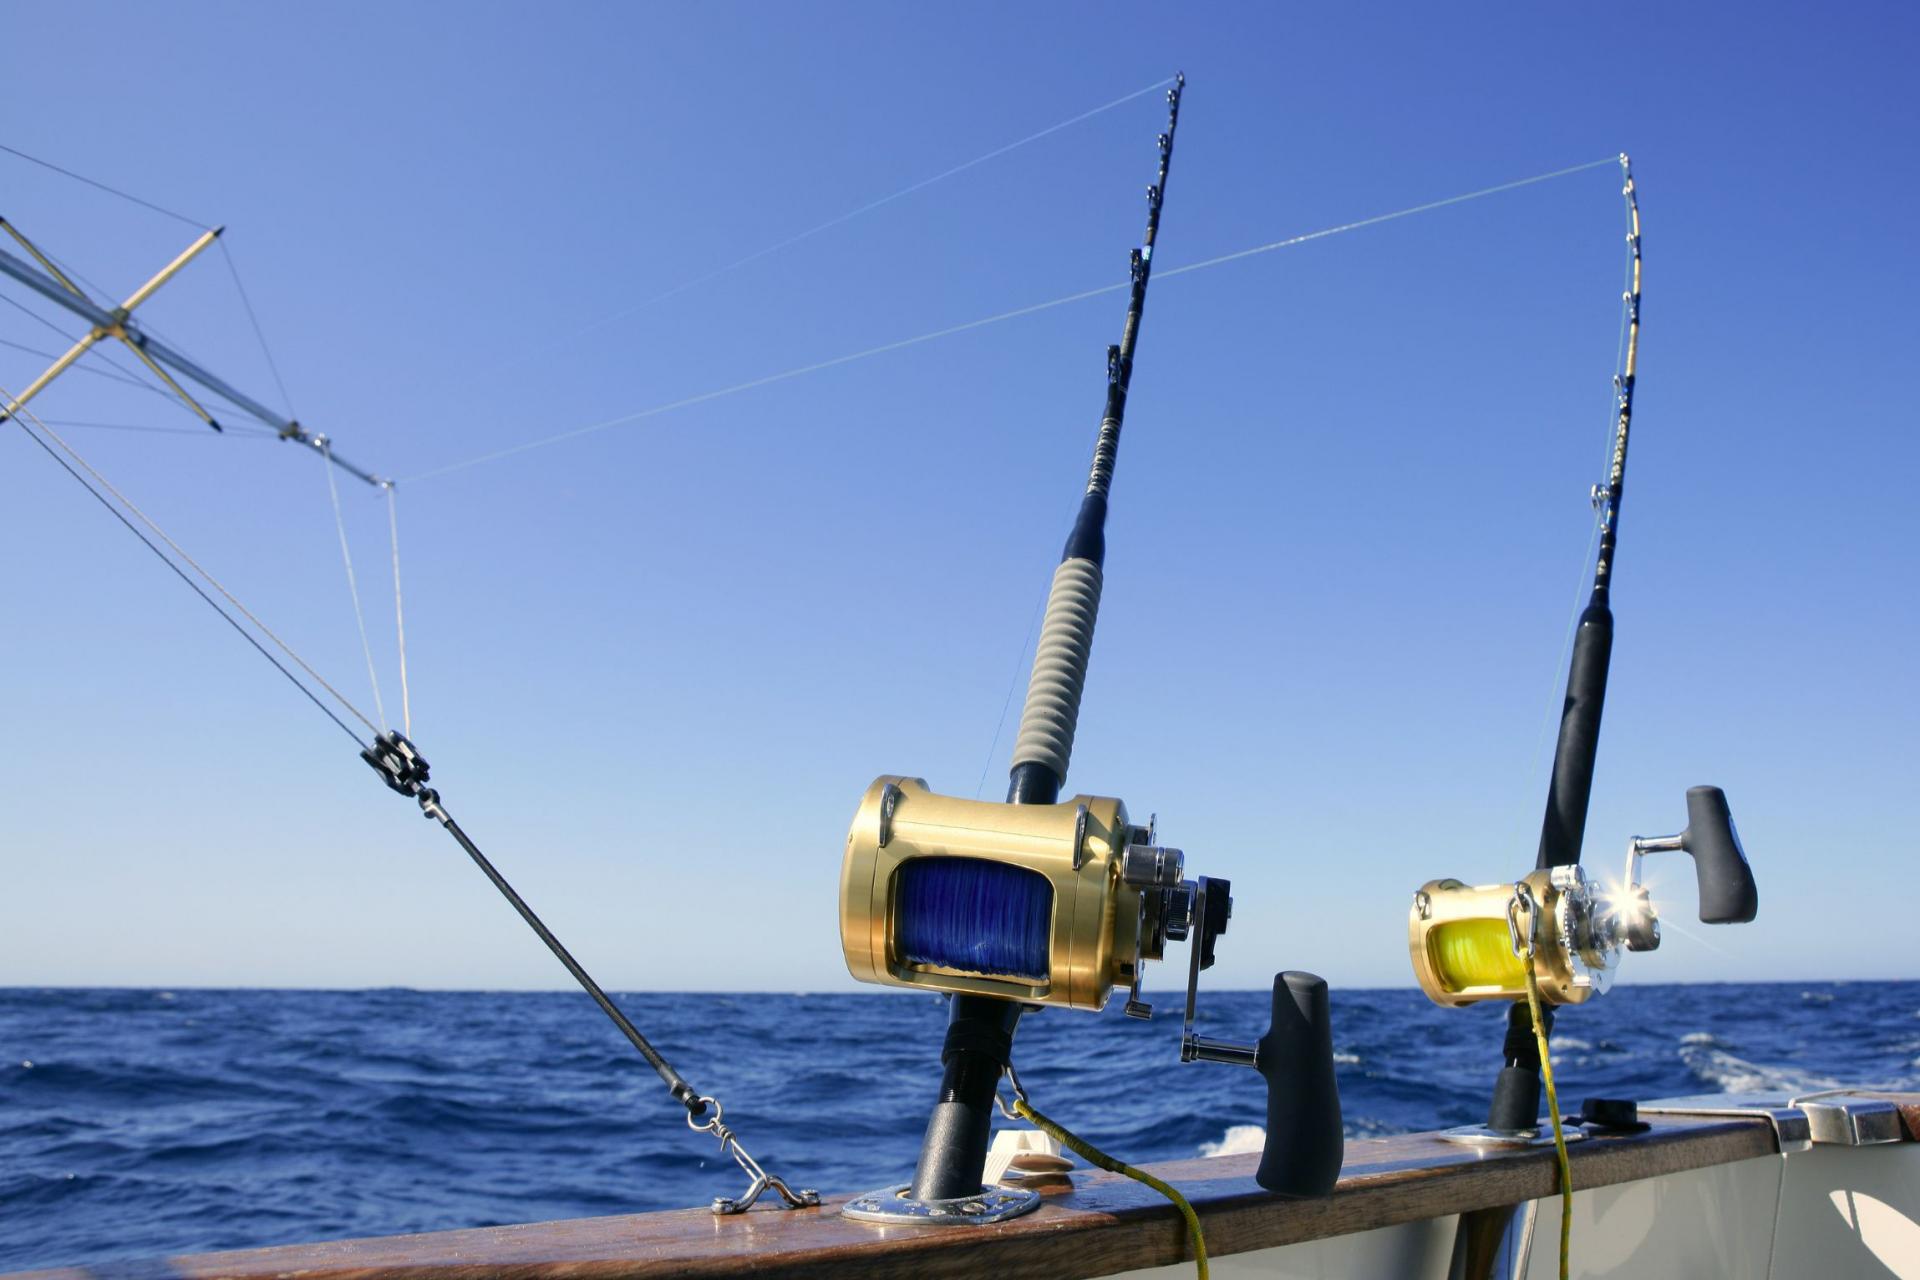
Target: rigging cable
(399,610)
(273,365)
(851,214)
(168,561)
(200,434)
(193,564)
(79,177)
(353,586)
(1017,312)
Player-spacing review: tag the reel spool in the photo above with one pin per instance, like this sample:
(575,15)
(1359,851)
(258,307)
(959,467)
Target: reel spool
(1474,942)
(1039,903)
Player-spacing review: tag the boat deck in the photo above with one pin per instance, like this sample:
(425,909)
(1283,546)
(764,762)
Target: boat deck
(1102,1225)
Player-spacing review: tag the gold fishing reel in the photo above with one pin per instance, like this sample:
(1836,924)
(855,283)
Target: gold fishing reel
(1041,903)
(1476,942)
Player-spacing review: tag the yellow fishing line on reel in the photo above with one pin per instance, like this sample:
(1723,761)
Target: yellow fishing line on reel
(1474,953)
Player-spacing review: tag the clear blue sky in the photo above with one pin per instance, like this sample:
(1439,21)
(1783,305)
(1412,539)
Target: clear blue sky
(654,668)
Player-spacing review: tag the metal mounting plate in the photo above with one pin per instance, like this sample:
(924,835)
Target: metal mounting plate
(896,1206)
(1479,1135)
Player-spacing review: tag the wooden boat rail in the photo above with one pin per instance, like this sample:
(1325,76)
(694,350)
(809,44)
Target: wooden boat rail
(1103,1224)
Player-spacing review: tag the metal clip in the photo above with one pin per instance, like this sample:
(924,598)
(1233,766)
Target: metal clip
(1079,835)
(804,1198)
(1522,900)
(398,762)
(889,797)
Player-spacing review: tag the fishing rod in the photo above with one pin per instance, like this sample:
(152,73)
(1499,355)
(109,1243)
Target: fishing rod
(1555,936)
(1041,901)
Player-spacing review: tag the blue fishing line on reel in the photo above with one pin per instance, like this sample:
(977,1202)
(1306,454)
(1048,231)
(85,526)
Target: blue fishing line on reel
(975,916)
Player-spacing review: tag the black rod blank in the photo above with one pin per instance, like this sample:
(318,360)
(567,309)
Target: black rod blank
(1563,828)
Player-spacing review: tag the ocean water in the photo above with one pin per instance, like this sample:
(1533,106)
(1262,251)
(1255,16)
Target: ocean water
(141,1122)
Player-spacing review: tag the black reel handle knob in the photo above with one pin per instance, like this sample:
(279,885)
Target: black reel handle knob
(1728,894)
(1305,1138)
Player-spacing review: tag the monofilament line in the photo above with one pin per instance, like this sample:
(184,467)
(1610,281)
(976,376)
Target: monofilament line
(1032,309)
(846,217)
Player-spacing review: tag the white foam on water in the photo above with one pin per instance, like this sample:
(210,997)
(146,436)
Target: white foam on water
(1731,1074)
(1346,1059)
(1697,1037)
(1239,1139)
(1570,1042)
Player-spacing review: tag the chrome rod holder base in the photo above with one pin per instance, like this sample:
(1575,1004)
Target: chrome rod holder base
(895,1206)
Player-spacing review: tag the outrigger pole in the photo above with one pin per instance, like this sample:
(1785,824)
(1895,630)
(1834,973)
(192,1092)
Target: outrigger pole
(979,1041)
(48,280)
(1516,1097)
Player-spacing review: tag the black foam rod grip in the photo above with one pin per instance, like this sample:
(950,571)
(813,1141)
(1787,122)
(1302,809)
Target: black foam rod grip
(1728,894)
(1305,1140)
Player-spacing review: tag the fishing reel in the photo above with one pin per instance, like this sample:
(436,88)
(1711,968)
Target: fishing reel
(1043,904)
(1477,942)
(1059,904)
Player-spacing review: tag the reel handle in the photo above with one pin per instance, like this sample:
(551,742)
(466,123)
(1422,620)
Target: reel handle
(1305,1140)
(1728,894)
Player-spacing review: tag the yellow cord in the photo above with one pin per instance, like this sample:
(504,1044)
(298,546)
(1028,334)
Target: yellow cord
(1553,1110)
(1093,1155)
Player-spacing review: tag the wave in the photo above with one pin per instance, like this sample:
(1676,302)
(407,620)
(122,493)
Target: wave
(1239,1139)
(1730,1074)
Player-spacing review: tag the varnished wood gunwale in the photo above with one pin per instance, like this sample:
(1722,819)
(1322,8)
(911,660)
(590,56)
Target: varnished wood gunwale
(1103,1225)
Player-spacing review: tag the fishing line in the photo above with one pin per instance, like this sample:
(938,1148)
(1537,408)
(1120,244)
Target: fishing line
(124,195)
(831,223)
(191,563)
(1017,312)
(164,559)
(353,586)
(1013,685)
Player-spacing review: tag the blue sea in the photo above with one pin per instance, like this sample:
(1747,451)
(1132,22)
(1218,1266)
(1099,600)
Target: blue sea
(141,1122)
